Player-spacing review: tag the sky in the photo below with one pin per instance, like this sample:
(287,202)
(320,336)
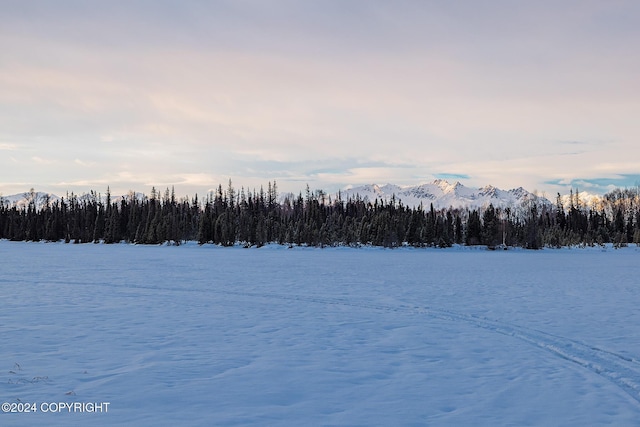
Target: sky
(191,94)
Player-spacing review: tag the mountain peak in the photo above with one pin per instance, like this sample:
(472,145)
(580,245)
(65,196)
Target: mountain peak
(444,185)
(442,194)
(23,200)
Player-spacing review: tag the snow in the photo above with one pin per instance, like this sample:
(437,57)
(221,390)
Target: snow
(203,335)
(443,195)
(23,200)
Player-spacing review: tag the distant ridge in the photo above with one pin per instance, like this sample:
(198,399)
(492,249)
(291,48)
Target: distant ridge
(443,194)
(22,200)
(440,192)
(40,199)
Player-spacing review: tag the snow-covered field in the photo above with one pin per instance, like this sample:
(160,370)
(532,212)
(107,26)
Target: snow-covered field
(208,336)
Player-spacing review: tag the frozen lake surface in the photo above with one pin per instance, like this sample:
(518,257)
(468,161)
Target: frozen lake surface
(204,336)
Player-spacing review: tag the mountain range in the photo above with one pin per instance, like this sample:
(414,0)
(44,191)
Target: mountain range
(441,193)
(22,200)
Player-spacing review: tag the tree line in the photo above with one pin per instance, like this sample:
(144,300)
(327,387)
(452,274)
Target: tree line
(255,218)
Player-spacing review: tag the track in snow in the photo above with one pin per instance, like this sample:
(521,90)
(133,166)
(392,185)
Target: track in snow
(621,370)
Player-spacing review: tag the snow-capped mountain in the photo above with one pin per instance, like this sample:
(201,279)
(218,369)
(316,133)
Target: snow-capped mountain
(439,192)
(22,200)
(588,200)
(443,195)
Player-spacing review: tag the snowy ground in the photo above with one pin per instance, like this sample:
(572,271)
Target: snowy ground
(204,336)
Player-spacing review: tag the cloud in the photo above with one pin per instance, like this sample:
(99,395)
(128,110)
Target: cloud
(325,93)
(600,184)
(94,184)
(575,142)
(42,161)
(84,163)
(452,176)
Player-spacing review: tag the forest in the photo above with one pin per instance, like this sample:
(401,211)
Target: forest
(254,218)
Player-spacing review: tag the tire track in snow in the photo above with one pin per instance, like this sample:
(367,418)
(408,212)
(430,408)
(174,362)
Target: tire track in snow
(621,370)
